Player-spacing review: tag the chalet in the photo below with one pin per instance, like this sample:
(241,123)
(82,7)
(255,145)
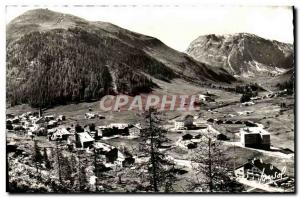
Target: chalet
(60,134)
(78,128)
(90,115)
(165,145)
(11,147)
(179,124)
(230,115)
(128,158)
(128,161)
(222,137)
(255,137)
(10,115)
(49,118)
(50,132)
(39,120)
(36,114)
(111,153)
(238,122)
(8,122)
(84,140)
(248,103)
(27,124)
(15,120)
(210,120)
(9,126)
(37,130)
(86,128)
(118,125)
(26,115)
(200,123)
(198,136)
(99,131)
(19,128)
(202,97)
(256,169)
(192,145)
(32,118)
(114,129)
(228,122)
(250,124)
(244,112)
(42,131)
(135,129)
(101,116)
(206,98)
(187,137)
(61,118)
(93,116)
(51,124)
(219,122)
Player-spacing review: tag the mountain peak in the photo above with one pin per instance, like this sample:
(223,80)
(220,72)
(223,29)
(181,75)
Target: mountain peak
(86,60)
(37,15)
(243,53)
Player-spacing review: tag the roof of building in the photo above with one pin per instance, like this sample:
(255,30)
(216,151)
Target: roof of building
(40,120)
(118,125)
(188,116)
(85,137)
(258,130)
(103,146)
(138,126)
(180,120)
(200,121)
(268,168)
(103,127)
(62,131)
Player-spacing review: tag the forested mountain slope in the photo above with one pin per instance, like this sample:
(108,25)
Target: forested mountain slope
(55,58)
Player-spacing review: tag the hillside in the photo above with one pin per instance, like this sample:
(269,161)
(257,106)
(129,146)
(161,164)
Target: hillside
(55,58)
(243,54)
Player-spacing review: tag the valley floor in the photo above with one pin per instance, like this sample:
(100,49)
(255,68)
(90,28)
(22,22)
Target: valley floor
(278,121)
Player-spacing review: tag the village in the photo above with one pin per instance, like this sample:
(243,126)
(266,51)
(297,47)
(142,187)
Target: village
(150,99)
(185,132)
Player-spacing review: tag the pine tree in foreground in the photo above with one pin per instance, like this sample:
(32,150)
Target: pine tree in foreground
(158,167)
(212,170)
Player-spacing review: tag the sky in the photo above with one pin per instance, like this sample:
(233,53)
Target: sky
(178,26)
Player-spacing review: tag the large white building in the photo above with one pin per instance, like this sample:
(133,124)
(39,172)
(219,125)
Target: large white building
(255,137)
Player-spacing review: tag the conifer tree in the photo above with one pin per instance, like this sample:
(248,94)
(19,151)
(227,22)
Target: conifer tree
(152,137)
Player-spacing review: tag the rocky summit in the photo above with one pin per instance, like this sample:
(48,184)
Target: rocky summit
(243,54)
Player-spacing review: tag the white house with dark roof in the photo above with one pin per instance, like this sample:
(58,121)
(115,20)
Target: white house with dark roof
(256,169)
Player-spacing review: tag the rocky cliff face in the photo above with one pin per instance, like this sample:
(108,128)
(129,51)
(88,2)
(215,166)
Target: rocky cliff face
(243,54)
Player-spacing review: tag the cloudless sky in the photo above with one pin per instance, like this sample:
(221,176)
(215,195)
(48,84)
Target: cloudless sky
(178,26)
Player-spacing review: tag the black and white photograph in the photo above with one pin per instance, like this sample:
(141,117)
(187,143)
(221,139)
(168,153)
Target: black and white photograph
(150,98)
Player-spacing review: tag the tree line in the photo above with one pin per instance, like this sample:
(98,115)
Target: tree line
(60,66)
